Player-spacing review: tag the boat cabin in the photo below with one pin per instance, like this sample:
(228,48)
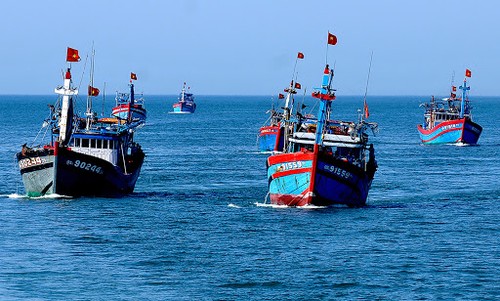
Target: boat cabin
(104,147)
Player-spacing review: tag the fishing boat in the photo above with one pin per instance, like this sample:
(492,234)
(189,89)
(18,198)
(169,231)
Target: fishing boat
(268,133)
(266,140)
(324,162)
(84,156)
(271,134)
(186,103)
(449,120)
(129,105)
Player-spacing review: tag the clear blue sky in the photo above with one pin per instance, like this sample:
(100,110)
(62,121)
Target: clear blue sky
(241,47)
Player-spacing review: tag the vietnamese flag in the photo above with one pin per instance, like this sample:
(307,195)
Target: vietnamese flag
(72,55)
(300,55)
(332,39)
(468,73)
(367,113)
(133,76)
(281,96)
(453,88)
(93,91)
(297,86)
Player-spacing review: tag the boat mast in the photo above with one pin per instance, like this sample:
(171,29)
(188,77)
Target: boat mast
(183,92)
(324,105)
(66,118)
(88,113)
(365,105)
(464,89)
(133,77)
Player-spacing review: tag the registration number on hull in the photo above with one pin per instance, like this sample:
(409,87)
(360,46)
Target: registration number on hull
(337,171)
(28,162)
(86,166)
(290,165)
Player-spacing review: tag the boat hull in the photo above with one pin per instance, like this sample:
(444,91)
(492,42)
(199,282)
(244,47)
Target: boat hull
(267,138)
(184,107)
(69,173)
(451,132)
(122,111)
(334,182)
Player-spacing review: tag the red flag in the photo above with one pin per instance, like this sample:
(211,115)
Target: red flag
(281,96)
(93,91)
(297,86)
(332,39)
(453,88)
(453,95)
(72,55)
(300,55)
(133,76)
(367,113)
(468,73)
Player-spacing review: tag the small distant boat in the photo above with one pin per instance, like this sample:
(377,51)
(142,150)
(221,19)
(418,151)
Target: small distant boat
(324,161)
(449,121)
(85,156)
(129,106)
(186,103)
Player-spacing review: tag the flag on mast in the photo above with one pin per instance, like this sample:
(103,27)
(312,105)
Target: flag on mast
(72,55)
(468,73)
(367,112)
(300,55)
(93,91)
(133,76)
(332,39)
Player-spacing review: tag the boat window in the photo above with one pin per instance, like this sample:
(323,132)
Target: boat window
(85,142)
(92,143)
(76,142)
(104,143)
(99,143)
(110,145)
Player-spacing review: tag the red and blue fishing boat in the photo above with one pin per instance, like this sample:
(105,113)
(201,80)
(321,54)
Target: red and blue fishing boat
(186,104)
(449,121)
(84,156)
(323,163)
(129,106)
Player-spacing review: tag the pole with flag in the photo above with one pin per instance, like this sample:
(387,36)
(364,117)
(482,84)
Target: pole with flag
(464,89)
(366,112)
(332,40)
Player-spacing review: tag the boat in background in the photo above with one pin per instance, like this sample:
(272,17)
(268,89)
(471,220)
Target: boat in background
(129,106)
(85,156)
(272,134)
(449,121)
(266,140)
(186,103)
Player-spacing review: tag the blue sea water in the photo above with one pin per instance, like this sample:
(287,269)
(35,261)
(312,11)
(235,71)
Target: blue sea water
(195,228)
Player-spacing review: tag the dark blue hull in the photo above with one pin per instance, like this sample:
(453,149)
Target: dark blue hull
(78,174)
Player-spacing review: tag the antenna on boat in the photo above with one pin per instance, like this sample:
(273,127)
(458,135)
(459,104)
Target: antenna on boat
(90,93)
(366,114)
(103,97)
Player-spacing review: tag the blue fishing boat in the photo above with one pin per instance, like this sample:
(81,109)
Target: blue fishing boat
(129,106)
(186,103)
(266,139)
(449,121)
(84,156)
(272,133)
(323,163)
